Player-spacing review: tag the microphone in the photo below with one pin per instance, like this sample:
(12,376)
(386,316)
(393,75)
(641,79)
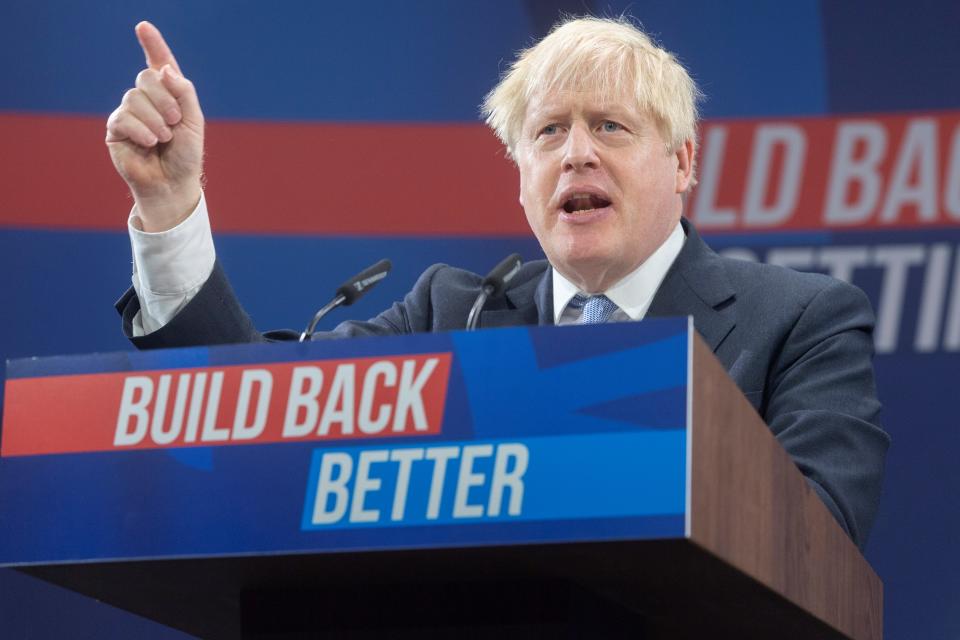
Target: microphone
(493,285)
(349,292)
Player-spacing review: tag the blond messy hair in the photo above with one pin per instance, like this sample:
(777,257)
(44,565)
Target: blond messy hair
(599,55)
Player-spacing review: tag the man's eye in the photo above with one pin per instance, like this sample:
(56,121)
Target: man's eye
(610,127)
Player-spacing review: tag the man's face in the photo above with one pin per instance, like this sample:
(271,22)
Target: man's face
(600,191)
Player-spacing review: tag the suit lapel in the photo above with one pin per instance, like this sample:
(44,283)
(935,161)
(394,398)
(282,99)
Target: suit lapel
(697,285)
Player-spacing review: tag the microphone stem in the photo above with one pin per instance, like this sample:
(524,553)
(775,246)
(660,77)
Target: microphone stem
(330,306)
(481,300)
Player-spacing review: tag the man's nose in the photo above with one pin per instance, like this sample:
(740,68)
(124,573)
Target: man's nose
(580,150)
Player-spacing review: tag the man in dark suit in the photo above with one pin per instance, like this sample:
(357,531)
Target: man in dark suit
(601,124)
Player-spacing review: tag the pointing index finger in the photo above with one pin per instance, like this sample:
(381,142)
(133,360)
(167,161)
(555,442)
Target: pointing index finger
(155,47)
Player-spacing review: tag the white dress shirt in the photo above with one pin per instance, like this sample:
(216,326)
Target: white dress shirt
(632,295)
(170,267)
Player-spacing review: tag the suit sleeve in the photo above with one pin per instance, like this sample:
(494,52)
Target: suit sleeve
(215,316)
(823,408)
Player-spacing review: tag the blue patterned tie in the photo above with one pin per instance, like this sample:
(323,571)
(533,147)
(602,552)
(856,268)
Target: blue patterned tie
(596,309)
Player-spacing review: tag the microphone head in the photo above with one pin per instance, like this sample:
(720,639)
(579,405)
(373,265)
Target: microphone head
(355,287)
(501,275)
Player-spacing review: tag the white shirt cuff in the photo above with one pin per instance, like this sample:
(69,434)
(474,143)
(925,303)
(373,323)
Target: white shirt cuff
(169,267)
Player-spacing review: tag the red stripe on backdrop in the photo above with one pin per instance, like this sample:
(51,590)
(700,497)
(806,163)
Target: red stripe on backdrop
(363,179)
(864,172)
(856,172)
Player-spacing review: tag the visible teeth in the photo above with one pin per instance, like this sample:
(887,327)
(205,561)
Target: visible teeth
(584,202)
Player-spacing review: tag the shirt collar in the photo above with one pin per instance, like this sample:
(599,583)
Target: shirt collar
(634,293)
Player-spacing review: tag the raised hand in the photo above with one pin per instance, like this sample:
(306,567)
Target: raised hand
(155,137)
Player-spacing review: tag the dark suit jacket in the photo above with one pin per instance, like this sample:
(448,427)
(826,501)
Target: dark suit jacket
(798,345)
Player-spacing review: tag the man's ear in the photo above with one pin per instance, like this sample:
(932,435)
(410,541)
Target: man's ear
(685,160)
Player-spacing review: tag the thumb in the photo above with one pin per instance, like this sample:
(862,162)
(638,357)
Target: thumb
(184,93)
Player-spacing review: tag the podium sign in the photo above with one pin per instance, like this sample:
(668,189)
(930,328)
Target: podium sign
(499,437)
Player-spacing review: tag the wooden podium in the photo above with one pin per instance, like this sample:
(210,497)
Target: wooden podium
(604,481)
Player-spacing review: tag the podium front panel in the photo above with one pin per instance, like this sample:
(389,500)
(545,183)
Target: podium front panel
(496,437)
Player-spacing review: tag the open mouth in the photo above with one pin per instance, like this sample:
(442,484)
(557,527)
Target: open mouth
(582,202)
